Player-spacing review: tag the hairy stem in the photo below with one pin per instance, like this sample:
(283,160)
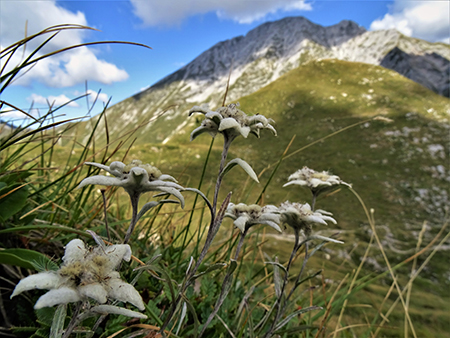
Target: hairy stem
(73,322)
(280,307)
(134,198)
(225,287)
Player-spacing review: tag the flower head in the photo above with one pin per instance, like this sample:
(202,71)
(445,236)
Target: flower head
(135,178)
(301,217)
(314,180)
(86,273)
(245,216)
(230,121)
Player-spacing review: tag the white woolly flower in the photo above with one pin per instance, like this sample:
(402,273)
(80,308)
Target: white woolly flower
(135,178)
(314,180)
(245,216)
(301,217)
(86,274)
(231,122)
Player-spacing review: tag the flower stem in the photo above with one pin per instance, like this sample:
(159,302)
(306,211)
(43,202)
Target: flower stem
(106,214)
(279,306)
(305,260)
(73,322)
(225,287)
(226,146)
(313,203)
(134,198)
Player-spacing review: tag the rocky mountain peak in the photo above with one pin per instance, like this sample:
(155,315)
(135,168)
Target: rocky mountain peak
(267,52)
(271,40)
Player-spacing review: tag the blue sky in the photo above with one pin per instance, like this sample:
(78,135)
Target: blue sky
(177,30)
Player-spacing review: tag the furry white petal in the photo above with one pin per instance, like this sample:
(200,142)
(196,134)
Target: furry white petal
(111,309)
(124,292)
(75,251)
(62,295)
(94,291)
(43,280)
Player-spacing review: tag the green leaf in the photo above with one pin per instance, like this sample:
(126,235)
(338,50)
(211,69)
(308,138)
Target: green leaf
(244,165)
(45,227)
(152,311)
(45,316)
(57,328)
(14,177)
(24,258)
(12,202)
(210,269)
(232,266)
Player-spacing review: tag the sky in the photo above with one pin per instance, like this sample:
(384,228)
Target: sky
(177,30)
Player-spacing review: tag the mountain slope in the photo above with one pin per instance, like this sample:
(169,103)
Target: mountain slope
(261,57)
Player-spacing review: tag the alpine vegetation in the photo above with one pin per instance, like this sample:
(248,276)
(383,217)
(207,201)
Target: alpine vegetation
(90,277)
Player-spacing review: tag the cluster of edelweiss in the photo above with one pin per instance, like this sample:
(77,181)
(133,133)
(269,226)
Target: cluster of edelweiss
(90,273)
(299,216)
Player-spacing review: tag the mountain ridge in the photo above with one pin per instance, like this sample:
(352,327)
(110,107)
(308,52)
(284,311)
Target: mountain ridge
(259,58)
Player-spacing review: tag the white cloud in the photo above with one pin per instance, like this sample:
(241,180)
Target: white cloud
(54,101)
(428,20)
(172,12)
(96,96)
(63,70)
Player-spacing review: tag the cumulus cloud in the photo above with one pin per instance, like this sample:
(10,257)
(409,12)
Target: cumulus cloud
(96,96)
(428,20)
(172,12)
(66,69)
(53,101)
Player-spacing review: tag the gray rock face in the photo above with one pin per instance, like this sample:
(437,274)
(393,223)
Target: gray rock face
(266,53)
(277,40)
(431,70)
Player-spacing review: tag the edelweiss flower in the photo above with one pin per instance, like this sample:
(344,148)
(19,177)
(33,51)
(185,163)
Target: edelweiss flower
(135,178)
(301,217)
(314,180)
(231,122)
(86,274)
(245,216)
